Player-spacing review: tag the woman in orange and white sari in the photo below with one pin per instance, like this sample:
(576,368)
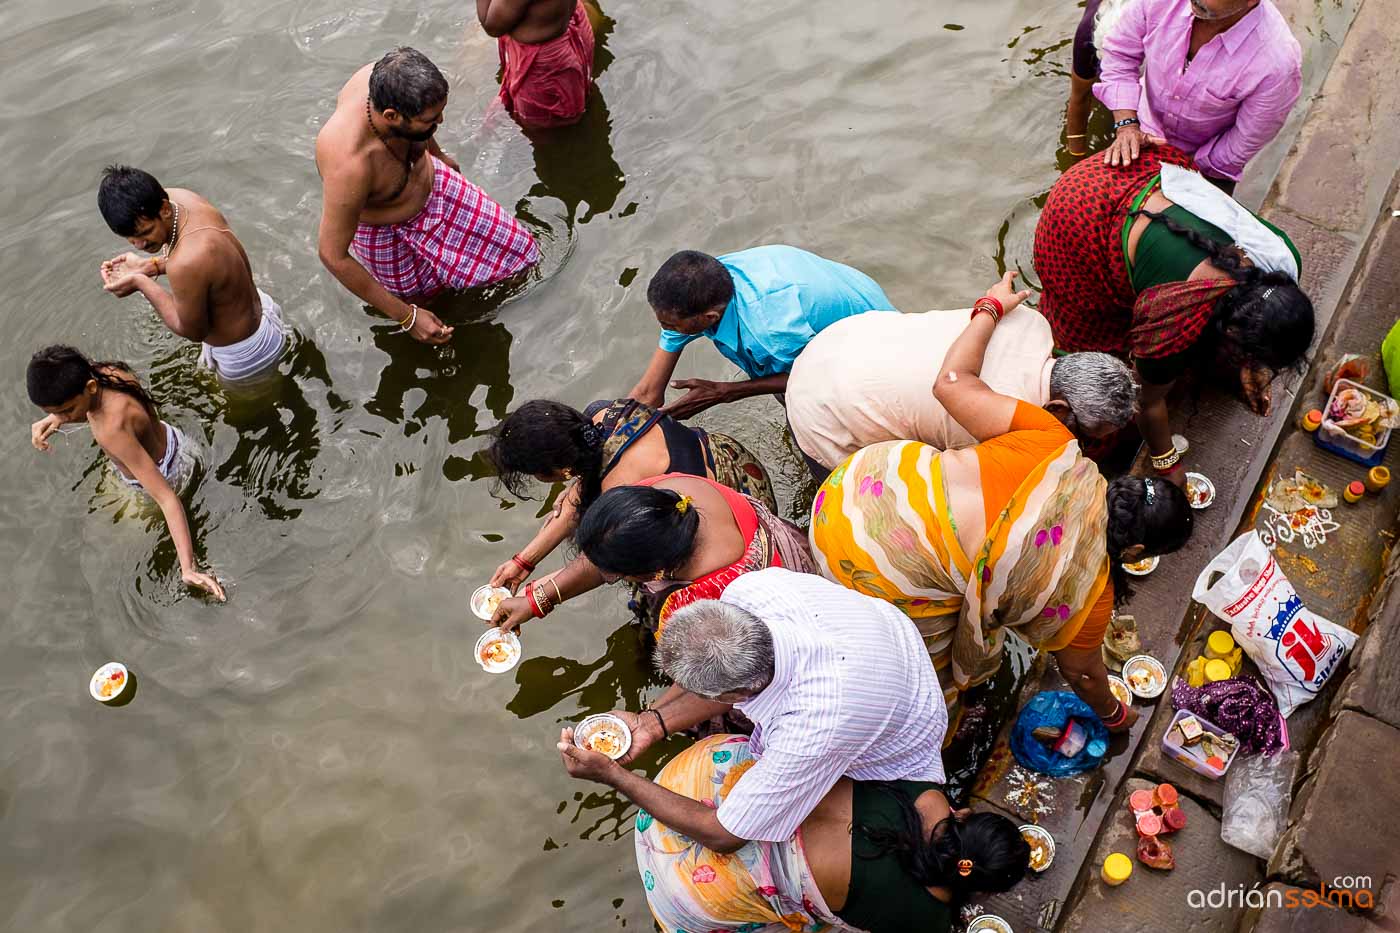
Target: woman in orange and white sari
(1017,534)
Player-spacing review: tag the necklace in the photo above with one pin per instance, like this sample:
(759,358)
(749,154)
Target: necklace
(169,246)
(407,156)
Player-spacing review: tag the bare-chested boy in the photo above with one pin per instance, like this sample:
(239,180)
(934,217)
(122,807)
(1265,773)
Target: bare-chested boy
(212,297)
(415,226)
(146,452)
(546,51)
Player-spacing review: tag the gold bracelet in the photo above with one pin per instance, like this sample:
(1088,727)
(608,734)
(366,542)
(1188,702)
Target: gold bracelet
(558,596)
(1167,460)
(411,309)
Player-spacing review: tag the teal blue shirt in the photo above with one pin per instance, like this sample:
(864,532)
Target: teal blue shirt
(783,297)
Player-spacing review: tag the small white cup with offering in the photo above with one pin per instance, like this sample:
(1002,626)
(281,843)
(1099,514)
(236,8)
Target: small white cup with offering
(1042,846)
(1200,491)
(497,651)
(109,681)
(1141,568)
(486,600)
(1145,676)
(604,733)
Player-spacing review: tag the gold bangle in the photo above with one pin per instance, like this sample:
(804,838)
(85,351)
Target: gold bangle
(411,309)
(558,596)
(1075,135)
(1167,460)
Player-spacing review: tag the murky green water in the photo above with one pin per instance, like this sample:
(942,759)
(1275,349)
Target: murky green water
(323,754)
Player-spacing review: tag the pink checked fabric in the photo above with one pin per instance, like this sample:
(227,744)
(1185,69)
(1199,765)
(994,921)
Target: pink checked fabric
(459,239)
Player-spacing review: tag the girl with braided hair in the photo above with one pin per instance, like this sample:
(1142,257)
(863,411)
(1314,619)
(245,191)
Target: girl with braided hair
(607,445)
(878,856)
(145,451)
(1151,262)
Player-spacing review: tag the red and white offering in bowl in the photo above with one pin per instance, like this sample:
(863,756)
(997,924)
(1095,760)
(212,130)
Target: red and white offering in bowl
(109,681)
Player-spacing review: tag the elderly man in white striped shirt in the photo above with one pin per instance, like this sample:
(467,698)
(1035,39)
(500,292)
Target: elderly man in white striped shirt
(836,683)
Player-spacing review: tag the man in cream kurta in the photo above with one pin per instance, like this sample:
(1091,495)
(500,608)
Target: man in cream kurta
(869,378)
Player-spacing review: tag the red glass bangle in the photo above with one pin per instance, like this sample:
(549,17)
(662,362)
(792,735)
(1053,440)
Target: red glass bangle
(997,304)
(1118,719)
(522,563)
(534,605)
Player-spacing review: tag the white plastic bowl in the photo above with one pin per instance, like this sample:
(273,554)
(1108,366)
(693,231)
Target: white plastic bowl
(104,675)
(490,637)
(585,730)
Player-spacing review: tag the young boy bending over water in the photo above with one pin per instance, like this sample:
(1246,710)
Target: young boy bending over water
(144,449)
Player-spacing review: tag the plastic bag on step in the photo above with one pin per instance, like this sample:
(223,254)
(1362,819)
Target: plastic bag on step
(1258,790)
(1296,650)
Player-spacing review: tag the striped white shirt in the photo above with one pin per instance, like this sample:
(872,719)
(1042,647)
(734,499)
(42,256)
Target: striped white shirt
(853,693)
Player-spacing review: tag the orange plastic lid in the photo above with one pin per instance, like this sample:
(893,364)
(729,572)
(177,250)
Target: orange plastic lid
(1356,487)
(1166,794)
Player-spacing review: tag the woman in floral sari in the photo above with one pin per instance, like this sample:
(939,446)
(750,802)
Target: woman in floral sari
(1153,263)
(1019,533)
(874,856)
(677,538)
(609,444)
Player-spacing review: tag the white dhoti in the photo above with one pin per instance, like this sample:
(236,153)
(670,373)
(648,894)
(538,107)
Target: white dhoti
(175,466)
(255,354)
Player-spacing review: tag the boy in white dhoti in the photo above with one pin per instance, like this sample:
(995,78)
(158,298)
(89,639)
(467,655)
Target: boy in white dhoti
(212,297)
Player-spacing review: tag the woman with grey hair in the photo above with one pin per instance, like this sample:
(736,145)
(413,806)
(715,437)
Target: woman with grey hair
(869,378)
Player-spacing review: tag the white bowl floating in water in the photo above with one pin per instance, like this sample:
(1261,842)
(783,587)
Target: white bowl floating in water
(109,681)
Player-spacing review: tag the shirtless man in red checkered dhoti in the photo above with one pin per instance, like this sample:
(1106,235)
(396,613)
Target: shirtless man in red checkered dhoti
(398,220)
(546,51)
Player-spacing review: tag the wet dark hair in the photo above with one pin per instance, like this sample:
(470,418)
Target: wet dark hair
(1000,856)
(1265,320)
(127,194)
(1161,526)
(407,81)
(689,284)
(542,437)
(635,531)
(58,373)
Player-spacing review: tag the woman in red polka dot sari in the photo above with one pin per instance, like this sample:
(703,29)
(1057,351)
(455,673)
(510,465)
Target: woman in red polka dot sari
(1128,270)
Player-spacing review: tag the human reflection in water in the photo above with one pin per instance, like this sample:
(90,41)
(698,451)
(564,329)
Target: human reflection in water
(575,163)
(279,435)
(444,380)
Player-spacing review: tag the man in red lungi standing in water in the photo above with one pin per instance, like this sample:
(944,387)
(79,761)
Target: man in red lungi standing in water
(394,200)
(546,57)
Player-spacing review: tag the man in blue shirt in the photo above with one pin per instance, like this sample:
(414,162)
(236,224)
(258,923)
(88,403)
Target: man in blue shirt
(759,306)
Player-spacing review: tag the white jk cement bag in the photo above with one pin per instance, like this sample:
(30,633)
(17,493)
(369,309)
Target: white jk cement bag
(1294,649)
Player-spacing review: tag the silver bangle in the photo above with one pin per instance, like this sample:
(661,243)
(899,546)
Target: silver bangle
(413,319)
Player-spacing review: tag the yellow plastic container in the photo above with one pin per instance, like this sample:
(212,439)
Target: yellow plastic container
(1117,868)
(1196,672)
(1217,669)
(1377,479)
(1219,645)
(1354,491)
(1312,420)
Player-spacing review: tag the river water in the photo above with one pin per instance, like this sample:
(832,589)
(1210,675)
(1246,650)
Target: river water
(322,753)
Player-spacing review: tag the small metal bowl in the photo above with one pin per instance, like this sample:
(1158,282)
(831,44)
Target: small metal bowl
(1143,567)
(1034,834)
(1149,663)
(988,923)
(1204,491)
